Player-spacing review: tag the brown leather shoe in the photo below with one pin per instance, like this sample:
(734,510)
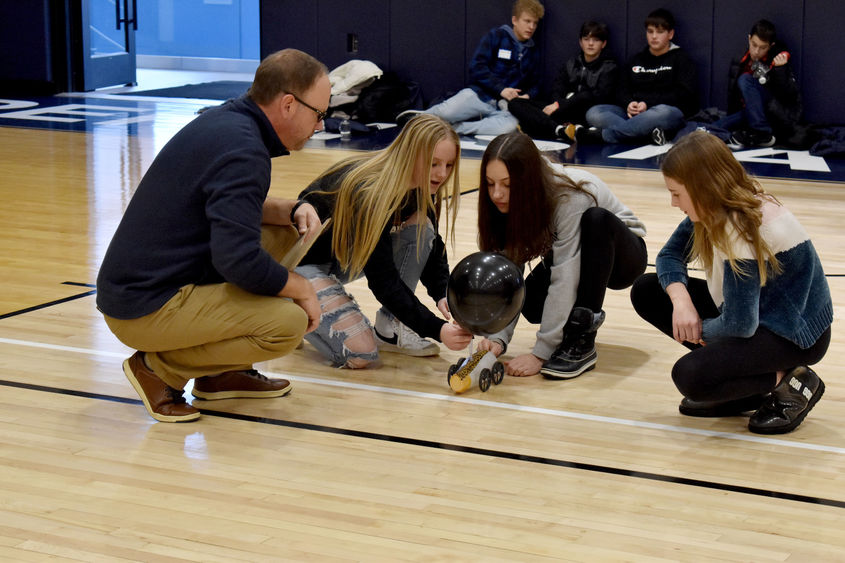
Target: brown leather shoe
(164,403)
(246,384)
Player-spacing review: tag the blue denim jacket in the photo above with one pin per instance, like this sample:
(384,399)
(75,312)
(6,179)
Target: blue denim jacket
(501,61)
(795,304)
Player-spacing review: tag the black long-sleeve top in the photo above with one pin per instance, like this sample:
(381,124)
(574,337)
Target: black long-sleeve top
(380,270)
(666,79)
(579,84)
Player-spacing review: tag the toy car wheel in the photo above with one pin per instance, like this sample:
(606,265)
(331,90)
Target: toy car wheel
(484,379)
(498,372)
(452,370)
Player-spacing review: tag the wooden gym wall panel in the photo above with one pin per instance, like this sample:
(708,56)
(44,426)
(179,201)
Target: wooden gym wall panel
(34,48)
(367,20)
(821,58)
(427,45)
(288,24)
(25,30)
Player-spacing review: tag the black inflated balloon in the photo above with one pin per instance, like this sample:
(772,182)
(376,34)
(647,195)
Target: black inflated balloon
(486,292)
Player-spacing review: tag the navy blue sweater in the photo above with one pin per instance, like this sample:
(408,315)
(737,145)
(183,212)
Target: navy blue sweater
(502,61)
(196,215)
(795,304)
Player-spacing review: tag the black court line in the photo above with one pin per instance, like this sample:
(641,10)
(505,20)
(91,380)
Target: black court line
(70,392)
(649,265)
(79,284)
(457,448)
(52,303)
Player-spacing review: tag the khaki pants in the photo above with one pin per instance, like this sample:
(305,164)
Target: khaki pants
(209,329)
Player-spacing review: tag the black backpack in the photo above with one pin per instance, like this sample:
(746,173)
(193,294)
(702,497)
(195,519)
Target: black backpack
(385,98)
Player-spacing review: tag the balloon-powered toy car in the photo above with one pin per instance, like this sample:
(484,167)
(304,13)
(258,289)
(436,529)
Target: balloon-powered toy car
(485,294)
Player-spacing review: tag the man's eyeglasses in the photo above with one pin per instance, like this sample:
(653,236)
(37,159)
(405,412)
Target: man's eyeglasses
(321,115)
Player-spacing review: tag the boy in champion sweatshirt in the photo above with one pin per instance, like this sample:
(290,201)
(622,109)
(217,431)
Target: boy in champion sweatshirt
(657,94)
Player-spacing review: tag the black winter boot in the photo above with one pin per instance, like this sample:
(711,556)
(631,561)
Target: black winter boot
(577,353)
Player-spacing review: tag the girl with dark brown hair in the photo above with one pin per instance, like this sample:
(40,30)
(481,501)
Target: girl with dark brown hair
(528,208)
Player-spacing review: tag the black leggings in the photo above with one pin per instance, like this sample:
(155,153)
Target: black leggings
(535,123)
(729,369)
(611,257)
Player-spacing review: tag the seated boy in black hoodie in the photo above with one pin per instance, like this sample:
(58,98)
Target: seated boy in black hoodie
(589,78)
(657,94)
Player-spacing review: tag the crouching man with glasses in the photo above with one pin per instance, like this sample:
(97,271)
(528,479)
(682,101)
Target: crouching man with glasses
(191,279)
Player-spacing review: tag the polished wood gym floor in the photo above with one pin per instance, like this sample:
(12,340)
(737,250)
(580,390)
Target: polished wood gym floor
(384,464)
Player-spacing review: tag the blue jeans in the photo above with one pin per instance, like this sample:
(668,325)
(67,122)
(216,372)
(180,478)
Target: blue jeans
(345,335)
(617,127)
(756,97)
(471,116)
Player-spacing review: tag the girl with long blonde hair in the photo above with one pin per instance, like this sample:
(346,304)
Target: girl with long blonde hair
(385,208)
(763,314)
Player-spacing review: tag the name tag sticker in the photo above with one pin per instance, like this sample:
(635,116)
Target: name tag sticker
(504,54)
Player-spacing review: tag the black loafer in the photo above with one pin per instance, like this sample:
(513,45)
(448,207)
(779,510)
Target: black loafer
(708,409)
(787,406)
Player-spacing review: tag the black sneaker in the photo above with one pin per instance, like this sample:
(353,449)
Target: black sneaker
(571,362)
(752,139)
(658,136)
(406,116)
(786,407)
(763,139)
(576,354)
(561,132)
(708,409)
(588,135)
(739,139)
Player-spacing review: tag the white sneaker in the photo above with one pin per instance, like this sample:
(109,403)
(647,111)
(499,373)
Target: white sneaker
(394,336)
(406,116)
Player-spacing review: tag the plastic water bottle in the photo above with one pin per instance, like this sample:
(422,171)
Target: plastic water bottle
(345,130)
